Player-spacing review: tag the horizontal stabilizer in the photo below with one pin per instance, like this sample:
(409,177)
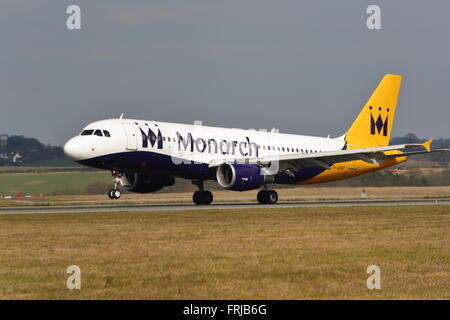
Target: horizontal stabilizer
(407,154)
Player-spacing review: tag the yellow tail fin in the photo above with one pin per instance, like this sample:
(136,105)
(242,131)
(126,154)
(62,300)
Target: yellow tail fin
(372,127)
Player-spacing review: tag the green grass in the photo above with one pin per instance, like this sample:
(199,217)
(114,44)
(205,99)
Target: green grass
(26,169)
(46,183)
(45,165)
(56,163)
(297,253)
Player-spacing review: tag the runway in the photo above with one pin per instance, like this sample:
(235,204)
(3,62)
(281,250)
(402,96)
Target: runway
(215,206)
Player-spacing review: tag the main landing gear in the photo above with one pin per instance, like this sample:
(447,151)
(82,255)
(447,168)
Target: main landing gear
(267,197)
(201,197)
(115,193)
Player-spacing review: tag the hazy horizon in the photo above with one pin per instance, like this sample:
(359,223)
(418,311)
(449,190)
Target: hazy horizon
(302,67)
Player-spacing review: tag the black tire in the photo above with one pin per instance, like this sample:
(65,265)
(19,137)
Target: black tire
(117,194)
(271,197)
(261,196)
(111,193)
(197,197)
(207,197)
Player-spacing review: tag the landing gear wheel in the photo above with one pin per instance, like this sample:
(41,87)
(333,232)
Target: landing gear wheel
(114,193)
(202,197)
(261,196)
(117,194)
(197,197)
(267,197)
(271,197)
(207,197)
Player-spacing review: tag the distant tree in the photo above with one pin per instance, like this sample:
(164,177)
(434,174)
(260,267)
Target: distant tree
(33,150)
(411,138)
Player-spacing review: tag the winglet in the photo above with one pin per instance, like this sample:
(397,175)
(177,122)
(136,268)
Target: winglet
(427,145)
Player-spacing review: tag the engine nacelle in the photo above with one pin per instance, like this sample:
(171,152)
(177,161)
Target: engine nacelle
(241,177)
(142,183)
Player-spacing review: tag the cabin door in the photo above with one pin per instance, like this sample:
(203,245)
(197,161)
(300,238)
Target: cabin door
(130,131)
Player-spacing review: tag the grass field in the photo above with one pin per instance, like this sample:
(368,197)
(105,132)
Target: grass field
(251,254)
(6,169)
(46,183)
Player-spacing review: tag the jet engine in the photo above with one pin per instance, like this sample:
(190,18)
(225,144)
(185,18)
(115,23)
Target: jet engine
(142,183)
(241,177)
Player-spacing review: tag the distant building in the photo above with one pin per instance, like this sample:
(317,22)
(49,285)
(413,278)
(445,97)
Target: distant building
(3,141)
(16,158)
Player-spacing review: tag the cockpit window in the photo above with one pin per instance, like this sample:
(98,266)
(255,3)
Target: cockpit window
(96,132)
(87,132)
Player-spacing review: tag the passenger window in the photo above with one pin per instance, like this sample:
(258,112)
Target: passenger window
(87,132)
(106,133)
(98,133)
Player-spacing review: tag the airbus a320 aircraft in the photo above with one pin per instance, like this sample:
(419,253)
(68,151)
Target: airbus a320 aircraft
(145,156)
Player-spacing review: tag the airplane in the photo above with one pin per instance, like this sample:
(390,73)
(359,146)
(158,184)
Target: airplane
(146,156)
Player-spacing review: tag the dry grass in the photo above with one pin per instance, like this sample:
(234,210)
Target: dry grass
(251,254)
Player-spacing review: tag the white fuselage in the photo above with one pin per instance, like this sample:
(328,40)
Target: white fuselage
(188,143)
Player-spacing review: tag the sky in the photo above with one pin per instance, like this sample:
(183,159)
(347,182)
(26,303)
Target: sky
(304,67)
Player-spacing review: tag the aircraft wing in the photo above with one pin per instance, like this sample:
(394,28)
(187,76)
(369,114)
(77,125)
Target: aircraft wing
(295,161)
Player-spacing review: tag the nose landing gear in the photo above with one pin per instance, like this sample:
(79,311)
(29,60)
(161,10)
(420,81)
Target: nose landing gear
(115,193)
(267,197)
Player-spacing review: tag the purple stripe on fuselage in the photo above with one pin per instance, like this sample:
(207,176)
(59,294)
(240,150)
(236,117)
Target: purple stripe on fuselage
(160,164)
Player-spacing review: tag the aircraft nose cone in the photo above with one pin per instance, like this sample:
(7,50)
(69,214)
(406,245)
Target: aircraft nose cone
(73,149)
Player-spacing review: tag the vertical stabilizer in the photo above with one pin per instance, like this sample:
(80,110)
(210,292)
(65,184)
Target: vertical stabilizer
(372,127)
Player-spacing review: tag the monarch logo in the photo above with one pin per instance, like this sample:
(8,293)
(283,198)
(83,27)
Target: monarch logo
(152,138)
(377,126)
